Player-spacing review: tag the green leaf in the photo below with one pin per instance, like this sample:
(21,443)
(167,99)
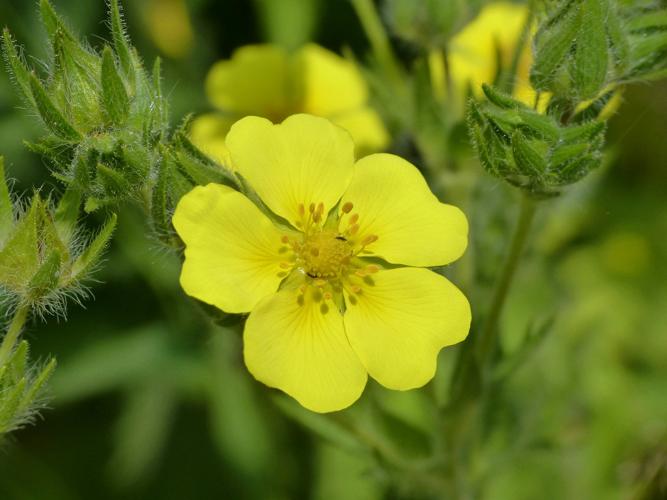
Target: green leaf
(114,95)
(37,385)
(67,212)
(553,42)
(18,70)
(52,117)
(17,364)
(539,125)
(567,152)
(617,40)
(52,21)
(10,402)
(92,254)
(591,56)
(6,211)
(655,20)
(121,41)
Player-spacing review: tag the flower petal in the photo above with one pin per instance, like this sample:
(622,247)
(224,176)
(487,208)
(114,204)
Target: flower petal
(291,344)
(303,160)
(327,84)
(253,82)
(365,127)
(232,257)
(398,324)
(395,204)
(208,132)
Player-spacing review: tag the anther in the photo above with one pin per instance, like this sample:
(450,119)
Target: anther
(311,208)
(347,207)
(355,289)
(320,208)
(372,269)
(314,252)
(371,238)
(327,296)
(353,219)
(302,210)
(285,239)
(319,283)
(353,229)
(285,265)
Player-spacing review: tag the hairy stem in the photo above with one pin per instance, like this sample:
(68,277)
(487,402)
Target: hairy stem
(13,332)
(487,339)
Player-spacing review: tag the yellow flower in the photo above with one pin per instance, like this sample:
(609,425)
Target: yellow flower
(493,37)
(267,81)
(338,290)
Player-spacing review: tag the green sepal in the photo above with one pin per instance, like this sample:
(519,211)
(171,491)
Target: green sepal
(10,402)
(51,116)
(648,22)
(37,385)
(19,259)
(46,278)
(115,100)
(536,124)
(6,210)
(591,55)
(67,211)
(553,41)
(529,156)
(113,182)
(500,99)
(93,252)
(17,68)
(18,363)
(121,42)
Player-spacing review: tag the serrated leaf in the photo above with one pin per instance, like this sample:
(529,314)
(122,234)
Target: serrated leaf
(51,116)
(618,41)
(553,43)
(114,95)
(582,132)
(93,252)
(590,55)
(6,210)
(10,401)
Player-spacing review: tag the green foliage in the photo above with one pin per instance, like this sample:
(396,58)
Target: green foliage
(530,150)
(21,389)
(584,46)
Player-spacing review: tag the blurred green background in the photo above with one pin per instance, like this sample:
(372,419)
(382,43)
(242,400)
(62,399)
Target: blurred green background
(148,404)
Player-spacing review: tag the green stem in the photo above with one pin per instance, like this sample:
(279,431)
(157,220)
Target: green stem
(372,25)
(13,332)
(488,336)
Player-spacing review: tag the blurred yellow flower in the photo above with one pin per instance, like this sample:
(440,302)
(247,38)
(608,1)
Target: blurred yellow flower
(168,24)
(492,38)
(268,81)
(339,290)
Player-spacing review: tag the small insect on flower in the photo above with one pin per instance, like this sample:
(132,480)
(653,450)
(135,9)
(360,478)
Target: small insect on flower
(339,291)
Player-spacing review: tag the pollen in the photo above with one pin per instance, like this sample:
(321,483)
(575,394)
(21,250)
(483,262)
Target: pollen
(324,254)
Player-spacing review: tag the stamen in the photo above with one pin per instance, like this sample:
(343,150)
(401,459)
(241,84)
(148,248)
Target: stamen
(353,229)
(302,210)
(353,219)
(347,207)
(285,265)
(285,239)
(371,238)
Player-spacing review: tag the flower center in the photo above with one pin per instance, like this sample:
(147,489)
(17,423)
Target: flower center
(324,254)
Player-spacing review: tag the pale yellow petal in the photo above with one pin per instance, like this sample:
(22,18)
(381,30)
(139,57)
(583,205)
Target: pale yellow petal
(326,83)
(303,160)
(253,82)
(299,346)
(394,204)
(398,324)
(366,128)
(232,250)
(474,50)
(208,132)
